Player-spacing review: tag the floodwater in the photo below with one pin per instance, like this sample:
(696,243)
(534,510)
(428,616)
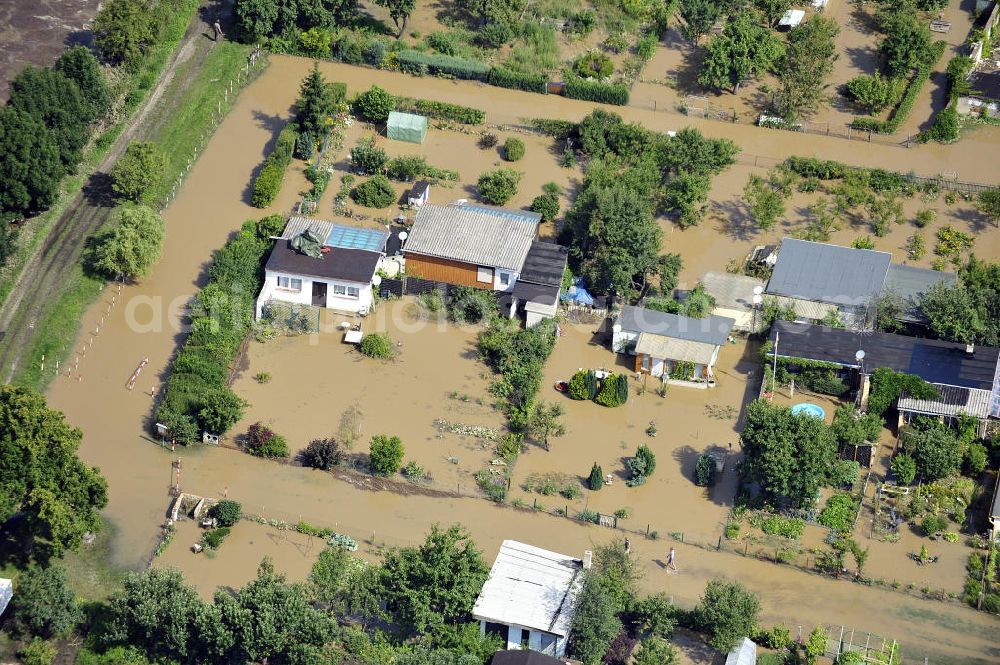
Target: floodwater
(212,204)
(36,32)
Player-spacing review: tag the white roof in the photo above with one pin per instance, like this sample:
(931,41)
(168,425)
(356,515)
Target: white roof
(745,653)
(792,17)
(530,587)
(6,593)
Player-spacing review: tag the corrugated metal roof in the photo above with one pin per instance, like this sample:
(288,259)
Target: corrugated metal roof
(951,401)
(708,330)
(731,291)
(530,587)
(745,653)
(909,283)
(485,236)
(828,273)
(668,348)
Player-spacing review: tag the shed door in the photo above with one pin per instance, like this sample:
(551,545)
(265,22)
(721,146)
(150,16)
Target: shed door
(319,294)
(657,367)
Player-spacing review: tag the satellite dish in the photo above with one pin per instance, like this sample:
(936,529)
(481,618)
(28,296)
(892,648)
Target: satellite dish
(376,280)
(403,235)
(860,355)
(757,290)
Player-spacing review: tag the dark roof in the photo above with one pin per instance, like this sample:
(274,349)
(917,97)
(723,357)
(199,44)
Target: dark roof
(544,264)
(910,283)
(828,273)
(545,294)
(933,360)
(523,657)
(708,330)
(985,84)
(419,188)
(351,265)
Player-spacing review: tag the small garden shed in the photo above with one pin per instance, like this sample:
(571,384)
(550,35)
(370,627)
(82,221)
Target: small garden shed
(407,127)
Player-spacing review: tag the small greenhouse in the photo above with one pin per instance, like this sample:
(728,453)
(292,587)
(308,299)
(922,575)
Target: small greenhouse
(407,127)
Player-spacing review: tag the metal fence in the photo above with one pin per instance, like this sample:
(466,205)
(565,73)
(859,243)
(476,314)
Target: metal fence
(292,316)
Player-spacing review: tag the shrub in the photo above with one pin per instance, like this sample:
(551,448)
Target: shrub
(374,193)
(578,386)
(213,537)
(776,637)
(838,514)
(513,149)
(646,47)
(496,34)
(502,77)
(875,93)
(642,465)
(305,146)
(139,169)
(44,604)
(367,158)
(596,479)
(467,304)
(945,127)
(374,104)
(777,525)
(377,345)
(488,140)
(609,395)
(499,185)
(315,42)
(593,64)
(597,91)
(131,247)
(976,459)
(704,471)
(37,652)
(263,442)
(728,612)
(933,524)
(227,512)
(415,62)
(322,454)
(268,182)
(385,454)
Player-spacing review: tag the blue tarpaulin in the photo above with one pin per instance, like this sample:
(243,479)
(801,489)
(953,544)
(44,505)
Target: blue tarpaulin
(577,294)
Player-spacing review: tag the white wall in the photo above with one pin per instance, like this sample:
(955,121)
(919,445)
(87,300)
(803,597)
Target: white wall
(514,632)
(270,291)
(498,286)
(621,340)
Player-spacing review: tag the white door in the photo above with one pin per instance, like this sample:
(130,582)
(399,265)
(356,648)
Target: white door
(657,367)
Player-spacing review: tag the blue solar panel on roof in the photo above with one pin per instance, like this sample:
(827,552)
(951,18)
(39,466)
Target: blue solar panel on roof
(349,237)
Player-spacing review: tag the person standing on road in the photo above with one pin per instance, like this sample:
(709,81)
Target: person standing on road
(671,556)
(628,546)
(218,29)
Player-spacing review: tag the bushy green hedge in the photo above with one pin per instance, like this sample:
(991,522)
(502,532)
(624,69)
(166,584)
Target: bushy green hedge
(220,319)
(597,91)
(268,182)
(415,62)
(502,77)
(902,110)
(558,129)
(442,110)
(879,180)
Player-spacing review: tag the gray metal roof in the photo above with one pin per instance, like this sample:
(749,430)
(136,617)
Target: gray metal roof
(910,283)
(481,235)
(731,291)
(828,273)
(951,401)
(708,330)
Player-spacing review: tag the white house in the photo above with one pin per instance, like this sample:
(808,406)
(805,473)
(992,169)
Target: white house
(536,294)
(529,598)
(323,264)
(418,194)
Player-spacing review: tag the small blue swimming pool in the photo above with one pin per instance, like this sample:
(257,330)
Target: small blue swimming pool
(810,409)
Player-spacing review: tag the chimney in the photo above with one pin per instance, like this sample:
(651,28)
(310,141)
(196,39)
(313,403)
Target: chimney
(970,349)
(588,559)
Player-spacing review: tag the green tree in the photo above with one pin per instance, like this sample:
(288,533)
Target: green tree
(767,204)
(220,410)
(329,576)
(544,422)
(227,512)
(385,454)
(375,104)
(815,645)
(988,203)
(30,167)
(851,427)
(547,205)
(953,314)
(685,195)
(140,168)
(596,479)
(37,652)
(44,604)
(513,149)
(874,93)
(689,151)
(42,479)
(859,555)
(773,10)
(595,622)
(907,41)
(255,18)
(79,65)
(56,101)
(905,468)
(124,30)
(376,192)
(499,185)
(806,66)
(699,17)
(436,583)
(976,459)
(326,13)
(788,455)
(655,651)
(132,246)
(937,453)
(399,12)
(728,612)
(316,103)
(367,158)
(744,50)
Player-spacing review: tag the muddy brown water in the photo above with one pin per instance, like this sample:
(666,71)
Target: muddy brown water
(211,206)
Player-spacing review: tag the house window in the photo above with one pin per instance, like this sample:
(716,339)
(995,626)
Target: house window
(339,289)
(290,283)
(645,363)
(484,274)
(353,292)
(505,278)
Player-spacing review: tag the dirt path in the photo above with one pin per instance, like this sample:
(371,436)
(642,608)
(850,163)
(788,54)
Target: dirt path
(43,276)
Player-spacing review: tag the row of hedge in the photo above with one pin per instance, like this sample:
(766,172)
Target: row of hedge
(268,182)
(502,77)
(415,62)
(902,110)
(597,91)
(441,110)
(880,180)
(197,396)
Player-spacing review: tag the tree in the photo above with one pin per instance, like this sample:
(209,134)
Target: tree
(704,471)
(874,93)
(595,622)
(55,100)
(79,65)
(326,13)
(815,645)
(851,427)
(988,203)
(544,422)
(385,454)
(328,576)
(42,480)
(37,652)
(807,63)
(788,455)
(952,314)
(907,42)
(499,185)
(547,205)
(728,612)
(937,453)
(399,12)
(44,604)
(436,583)
(367,158)
(743,50)
(255,18)
(883,211)
(691,152)
(513,149)
(322,454)
(766,203)
(130,248)
(655,651)
(227,512)
(684,194)
(860,556)
(596,479)
(976,459)
(139,169)
(773,10)
(220,410)
(905,468)
(699,17)
(124,30)
(377,192)
(375,104)
(315,104)
(30,167)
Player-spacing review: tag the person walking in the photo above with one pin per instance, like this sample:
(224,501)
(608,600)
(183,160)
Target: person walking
(628,545)
(671,557)
(218,29)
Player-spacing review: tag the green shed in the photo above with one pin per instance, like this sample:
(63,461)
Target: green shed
(407,127)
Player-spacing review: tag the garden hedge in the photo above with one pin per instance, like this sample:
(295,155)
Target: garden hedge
(220,319)
(557,129)
(506,78)
(268,181)
(441,110)
(902,110)
(415,62)
(597,91)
